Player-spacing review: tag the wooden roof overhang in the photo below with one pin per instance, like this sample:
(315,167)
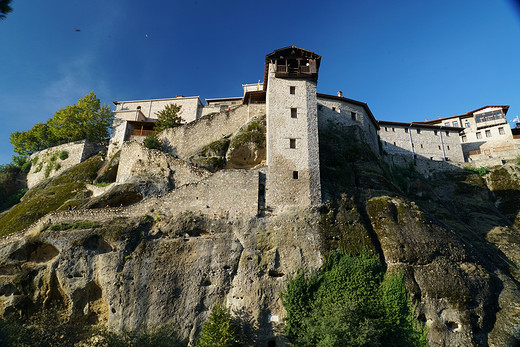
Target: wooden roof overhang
(468,114)
(289,52)
(139,123)
(254,97)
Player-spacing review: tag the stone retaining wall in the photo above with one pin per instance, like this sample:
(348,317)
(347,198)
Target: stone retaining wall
(77,152)
(186,140)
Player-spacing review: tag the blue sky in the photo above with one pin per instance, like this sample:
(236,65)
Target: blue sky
(409,60)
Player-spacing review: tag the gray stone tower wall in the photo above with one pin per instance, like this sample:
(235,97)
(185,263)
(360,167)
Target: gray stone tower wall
(282,187)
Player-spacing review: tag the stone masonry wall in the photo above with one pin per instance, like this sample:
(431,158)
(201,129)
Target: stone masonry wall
(190,111)
(428,143)
(186,140)
(227,194)
(340,113)
(41,169)
(293,177)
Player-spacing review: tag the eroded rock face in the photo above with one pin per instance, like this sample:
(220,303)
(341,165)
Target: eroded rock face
(131,274)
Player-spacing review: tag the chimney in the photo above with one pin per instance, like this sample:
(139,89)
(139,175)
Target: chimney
(340,94)
(427,120)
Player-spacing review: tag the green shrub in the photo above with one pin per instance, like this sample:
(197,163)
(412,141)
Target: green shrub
(482,171)
(26,167)
(517,160)
(351,303)
(152,142)
(13,199)
(63,155)
(221,330)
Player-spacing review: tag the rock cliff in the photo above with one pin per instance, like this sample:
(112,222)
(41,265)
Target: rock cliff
(146,264)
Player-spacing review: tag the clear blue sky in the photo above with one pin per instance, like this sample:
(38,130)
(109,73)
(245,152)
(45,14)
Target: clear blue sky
(409,60)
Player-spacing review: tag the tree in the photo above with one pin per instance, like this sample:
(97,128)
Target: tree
(220,330)
(85,120)
(152,142)
(5,8)
(169,117)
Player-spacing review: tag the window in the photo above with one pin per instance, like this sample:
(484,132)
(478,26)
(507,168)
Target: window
(333,108)
(294,113)
(435,132)
(421,145)
(464,139)
(292,89)
(295,175)
(447,133)
(394,143)
(447,124)
(501,131)
(418,131)
(479,135)
(488,133)
(448,147)
(292,143)
(455,123)
(406,130)
(353,115)
(386,129)
(393,129)
(439,147)
(467,125)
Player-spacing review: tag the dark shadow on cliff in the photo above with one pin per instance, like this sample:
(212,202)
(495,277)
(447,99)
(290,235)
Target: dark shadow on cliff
(455,200)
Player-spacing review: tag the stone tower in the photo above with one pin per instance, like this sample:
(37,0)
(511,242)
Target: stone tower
(293,174)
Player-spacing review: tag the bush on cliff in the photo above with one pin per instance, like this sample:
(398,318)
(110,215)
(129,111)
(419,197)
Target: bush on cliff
(152,142)
(221,330)
(350,302)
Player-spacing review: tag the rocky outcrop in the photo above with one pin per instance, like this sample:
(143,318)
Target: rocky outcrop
(202,239)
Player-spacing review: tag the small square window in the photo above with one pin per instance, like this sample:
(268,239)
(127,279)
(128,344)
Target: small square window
(292,89)
(353,115)
(418,131)
(386,129)
(294,113)
(439,147)
(479,135)
(292,143)
(488,133)
(447,133)
(435,132)
(333,108)
(393,129)
(295,175)
(464,139)
(447,124)
(448,148)
(455,123)
(406,130)
(421,145)
(501,131)
(467,125)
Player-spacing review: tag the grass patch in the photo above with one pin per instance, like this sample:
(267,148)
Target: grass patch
(102,184)
(75,225)
(52,196)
